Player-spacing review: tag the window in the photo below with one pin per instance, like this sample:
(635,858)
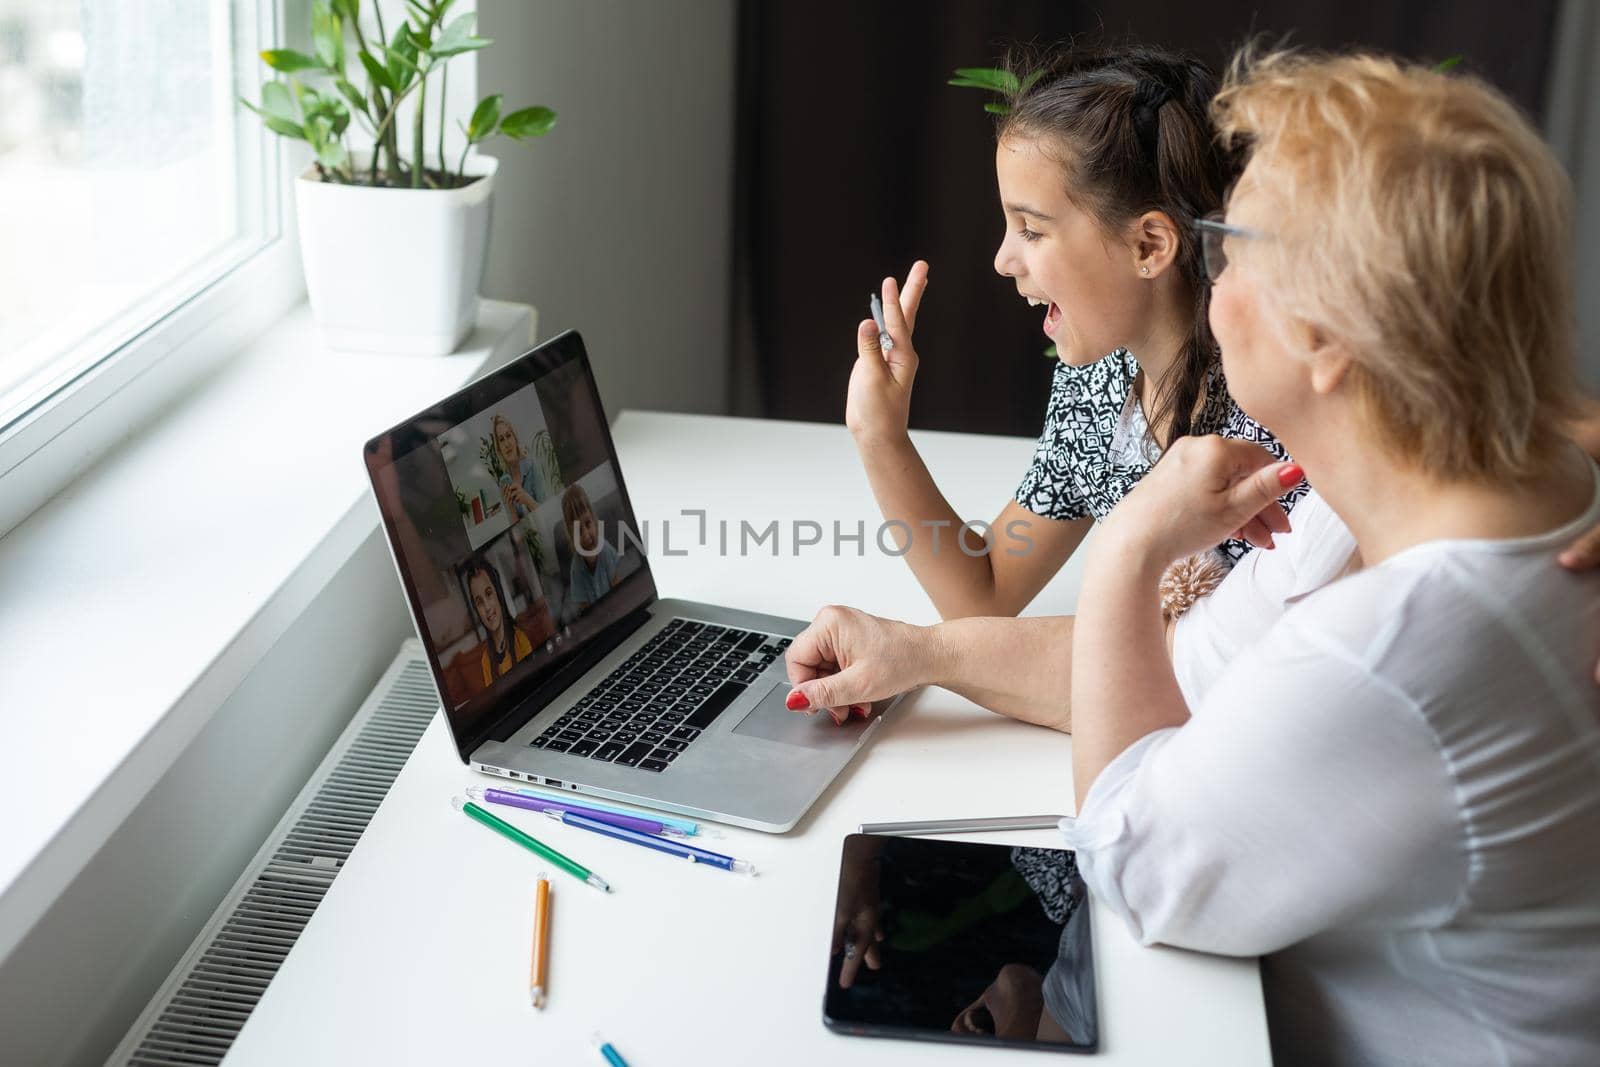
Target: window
(131,183)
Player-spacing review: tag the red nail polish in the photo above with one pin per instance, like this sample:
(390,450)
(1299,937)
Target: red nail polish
(1290,476)
(796,701)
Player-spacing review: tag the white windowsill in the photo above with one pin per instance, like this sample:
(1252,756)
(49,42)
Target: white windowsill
(137,599)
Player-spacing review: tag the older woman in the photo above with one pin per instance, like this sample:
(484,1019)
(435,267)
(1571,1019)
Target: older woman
(1377,762)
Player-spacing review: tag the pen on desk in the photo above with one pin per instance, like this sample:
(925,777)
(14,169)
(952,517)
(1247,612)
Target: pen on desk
(962,826)
(660,844)
(539,971)
(537,847)
(531,803)
(885,342)
(613,1057)
(692,829)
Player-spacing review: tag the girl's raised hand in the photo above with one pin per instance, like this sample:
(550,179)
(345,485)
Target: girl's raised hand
(878,406)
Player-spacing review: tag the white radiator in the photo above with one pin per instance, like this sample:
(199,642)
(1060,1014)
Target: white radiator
(204,1003)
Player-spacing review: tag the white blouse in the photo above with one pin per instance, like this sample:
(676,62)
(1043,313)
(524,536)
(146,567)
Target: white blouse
(1390,788)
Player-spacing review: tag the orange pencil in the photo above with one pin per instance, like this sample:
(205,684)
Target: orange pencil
(538,976)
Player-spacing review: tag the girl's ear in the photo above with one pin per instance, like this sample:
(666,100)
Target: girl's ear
(1155,243)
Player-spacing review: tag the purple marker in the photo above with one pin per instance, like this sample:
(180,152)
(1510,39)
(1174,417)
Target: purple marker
(523,800)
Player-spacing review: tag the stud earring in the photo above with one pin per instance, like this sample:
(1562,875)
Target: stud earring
(1144,270)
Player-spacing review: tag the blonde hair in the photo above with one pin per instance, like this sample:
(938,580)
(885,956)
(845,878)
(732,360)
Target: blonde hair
(494,432)
(1419,220)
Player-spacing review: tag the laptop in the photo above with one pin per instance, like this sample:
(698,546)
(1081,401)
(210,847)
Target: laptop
(556,662)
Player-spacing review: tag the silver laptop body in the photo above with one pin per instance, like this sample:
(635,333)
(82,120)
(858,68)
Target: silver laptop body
(534,718)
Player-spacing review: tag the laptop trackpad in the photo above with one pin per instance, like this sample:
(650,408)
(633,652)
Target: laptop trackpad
(774,722)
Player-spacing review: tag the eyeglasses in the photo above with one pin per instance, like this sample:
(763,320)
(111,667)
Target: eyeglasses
(1212,232)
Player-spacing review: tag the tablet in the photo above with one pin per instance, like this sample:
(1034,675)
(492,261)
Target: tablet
(962,942)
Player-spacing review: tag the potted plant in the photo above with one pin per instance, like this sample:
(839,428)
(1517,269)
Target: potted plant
(393,241)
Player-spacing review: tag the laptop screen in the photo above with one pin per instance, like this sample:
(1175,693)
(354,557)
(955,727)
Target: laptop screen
(512,533)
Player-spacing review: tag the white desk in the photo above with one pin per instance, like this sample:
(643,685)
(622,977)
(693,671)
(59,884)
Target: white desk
(419,954)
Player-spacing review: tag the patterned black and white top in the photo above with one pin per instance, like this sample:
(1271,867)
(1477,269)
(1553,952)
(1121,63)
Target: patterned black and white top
(1095,445)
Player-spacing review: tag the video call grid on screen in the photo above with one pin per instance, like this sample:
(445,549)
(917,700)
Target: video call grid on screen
(481,497)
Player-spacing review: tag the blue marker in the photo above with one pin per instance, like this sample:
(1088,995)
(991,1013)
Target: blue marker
(660,844)
(613,1057)
(682,825)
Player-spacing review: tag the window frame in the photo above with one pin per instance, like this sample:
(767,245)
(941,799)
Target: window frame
(81,420)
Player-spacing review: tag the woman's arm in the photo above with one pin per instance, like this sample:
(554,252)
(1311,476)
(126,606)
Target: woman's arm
(1124,674)
(1123,685)
(1023,550)
(1114,654)
(1018,667)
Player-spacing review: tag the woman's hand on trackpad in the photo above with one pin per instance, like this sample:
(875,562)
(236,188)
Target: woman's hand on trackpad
(846,659)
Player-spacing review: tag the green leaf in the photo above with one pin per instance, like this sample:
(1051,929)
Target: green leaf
(325,142)
(317,105)
(528,122)
(1050,352)
(1447,65)
(276,101)
(402,67)
(327,33)
(1001,81)
(401,54)
(332,154)
(457,38)
(282,127)
(484,118)
(471,44)
(349,10)
(1027,83)
(353,95)
(288,60)
(421,28)
(996,109)
(376,71)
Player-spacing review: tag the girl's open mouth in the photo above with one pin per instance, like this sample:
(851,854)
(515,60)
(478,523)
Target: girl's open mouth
(1052,319)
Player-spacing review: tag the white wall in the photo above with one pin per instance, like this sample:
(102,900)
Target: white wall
(619,223)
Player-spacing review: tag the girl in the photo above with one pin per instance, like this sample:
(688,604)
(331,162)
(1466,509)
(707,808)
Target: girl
(507,645)
(1104,163)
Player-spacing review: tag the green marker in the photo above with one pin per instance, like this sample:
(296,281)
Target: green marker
(532,844)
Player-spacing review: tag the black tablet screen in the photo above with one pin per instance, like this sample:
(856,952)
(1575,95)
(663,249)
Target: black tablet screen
(954,941)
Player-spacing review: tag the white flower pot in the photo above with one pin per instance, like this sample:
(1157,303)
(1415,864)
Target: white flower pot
(395,270)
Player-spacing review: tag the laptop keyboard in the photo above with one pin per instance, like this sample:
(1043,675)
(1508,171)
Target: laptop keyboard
(658,701)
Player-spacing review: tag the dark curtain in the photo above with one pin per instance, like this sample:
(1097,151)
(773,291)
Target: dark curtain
(854,158)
